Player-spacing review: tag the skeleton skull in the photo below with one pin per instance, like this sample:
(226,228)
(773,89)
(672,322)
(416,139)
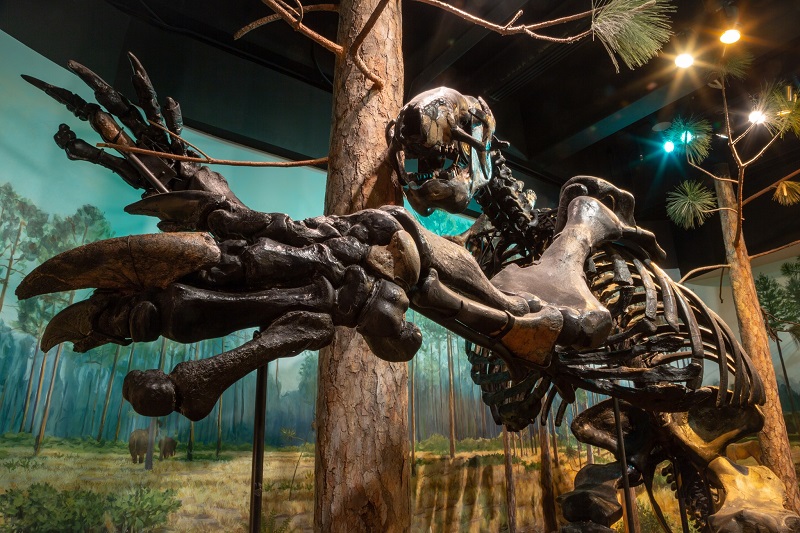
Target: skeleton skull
(449,135)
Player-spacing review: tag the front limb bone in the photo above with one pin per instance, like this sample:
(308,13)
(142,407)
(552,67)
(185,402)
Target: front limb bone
(193,387)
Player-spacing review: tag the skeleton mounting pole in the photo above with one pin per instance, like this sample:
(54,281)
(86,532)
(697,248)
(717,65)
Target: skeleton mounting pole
(624,465)
(257,463)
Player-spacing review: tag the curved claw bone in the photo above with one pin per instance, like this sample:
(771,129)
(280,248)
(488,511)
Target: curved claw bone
(193,387)
(134,262)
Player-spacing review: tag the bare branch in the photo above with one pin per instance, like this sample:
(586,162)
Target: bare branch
(178,137)
(286,14)
(701,269)
(774,185)
(272,18)
(764,149)
(745,132)
(706,172)
(212,161)
(778,249)
(359,40)
(509,29)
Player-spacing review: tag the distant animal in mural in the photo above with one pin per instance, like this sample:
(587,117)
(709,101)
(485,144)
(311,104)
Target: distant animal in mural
(739,451)
(137,445)
(167,447)
(549,300)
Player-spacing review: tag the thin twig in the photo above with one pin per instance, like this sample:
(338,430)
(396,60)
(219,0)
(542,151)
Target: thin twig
(507,29)
(731,145)
(764,149)
(745,132)
(181,139)
(701,269)
(305,30)
(778,249)
(272,18)
(754,256)
(774,185)
(359,40)
(211,160)
(710,174)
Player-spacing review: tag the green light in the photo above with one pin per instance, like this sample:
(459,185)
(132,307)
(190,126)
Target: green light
(687,137)
(669,146)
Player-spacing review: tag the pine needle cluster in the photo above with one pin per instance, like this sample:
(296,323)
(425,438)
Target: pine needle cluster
(693,136)
(690,204)
(635,30)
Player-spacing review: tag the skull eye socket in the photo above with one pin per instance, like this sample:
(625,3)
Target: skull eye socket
(609,202)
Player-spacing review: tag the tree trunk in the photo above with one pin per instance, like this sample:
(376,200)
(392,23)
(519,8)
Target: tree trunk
(10,264)
(362,472)
(511,499)
(39,385)
(413,421)
(29,388)
(774,438)
(121,399)
(37,443)
(554,437)
(109,387)
(153,428)
(548,502)
(451,399)
(190,444)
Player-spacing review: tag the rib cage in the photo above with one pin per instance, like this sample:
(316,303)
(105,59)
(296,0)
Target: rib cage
(655,355)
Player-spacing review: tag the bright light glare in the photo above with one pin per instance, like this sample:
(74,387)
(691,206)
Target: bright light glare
(684,60)
(730,36)
(687,137)
(757,117)
(669,146)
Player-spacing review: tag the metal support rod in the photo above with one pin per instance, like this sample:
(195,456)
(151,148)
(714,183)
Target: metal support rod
(624,465)
(681,499)
(257,463)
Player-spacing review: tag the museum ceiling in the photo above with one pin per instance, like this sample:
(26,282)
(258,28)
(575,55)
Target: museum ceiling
(564,108)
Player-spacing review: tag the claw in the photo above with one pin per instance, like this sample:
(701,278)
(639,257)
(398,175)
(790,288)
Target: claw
(180,211)
(134,263)
(74,103)
(75,324)
(148,100)
(111,99)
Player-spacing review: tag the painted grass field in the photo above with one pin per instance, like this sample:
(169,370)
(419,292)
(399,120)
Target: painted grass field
(466,494)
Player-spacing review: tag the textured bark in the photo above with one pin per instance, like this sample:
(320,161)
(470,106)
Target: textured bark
(362,470)
(548,502)
(511,499)
(451,399)
(774,438)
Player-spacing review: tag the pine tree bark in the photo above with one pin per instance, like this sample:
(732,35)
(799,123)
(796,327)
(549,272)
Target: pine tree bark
(121,399)
(774,438)
(451,399)
(548,503)
(511,499)
(109,387)
(362,469)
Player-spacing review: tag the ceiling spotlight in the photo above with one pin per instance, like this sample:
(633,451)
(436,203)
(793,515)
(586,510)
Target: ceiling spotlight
(684,61)
(730,36)
(687,137)
(757,117)
(669,146)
